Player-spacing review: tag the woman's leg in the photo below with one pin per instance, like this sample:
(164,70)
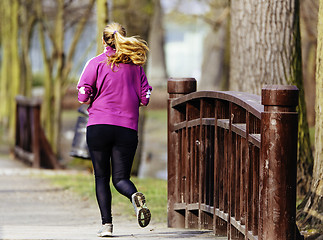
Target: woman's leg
(123,152)
(100,151)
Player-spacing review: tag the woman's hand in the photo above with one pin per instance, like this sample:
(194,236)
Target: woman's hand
(88,102)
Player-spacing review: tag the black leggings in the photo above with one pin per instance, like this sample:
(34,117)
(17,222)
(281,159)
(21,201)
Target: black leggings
(118,144)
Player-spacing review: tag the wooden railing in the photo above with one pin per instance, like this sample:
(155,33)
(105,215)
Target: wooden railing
(232,161)
(31,144)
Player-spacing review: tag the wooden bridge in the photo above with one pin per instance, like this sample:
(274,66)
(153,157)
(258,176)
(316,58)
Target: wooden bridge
(232,161)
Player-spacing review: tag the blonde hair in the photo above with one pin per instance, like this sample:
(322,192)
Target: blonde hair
(128,49)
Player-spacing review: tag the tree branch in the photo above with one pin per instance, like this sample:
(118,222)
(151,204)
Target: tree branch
(77,35)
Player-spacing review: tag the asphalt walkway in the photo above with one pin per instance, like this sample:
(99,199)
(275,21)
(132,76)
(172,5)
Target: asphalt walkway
(32,208)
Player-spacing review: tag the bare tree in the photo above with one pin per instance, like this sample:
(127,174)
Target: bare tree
(54,19)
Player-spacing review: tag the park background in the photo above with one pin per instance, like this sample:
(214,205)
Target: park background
(45,44)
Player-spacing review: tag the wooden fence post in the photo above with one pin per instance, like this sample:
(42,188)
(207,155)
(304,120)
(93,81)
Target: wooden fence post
(35,133)
(31,144)
(176,87)
(279,131)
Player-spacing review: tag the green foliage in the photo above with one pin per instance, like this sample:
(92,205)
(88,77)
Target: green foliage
(38,79)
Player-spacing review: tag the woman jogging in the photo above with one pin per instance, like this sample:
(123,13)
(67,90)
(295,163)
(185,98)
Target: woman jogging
(115,85)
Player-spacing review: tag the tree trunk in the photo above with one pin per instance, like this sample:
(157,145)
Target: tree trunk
(309,13)
(5,63)
(15,67)
(156,67)
(10,71)
(28,20)
(263,44)
(214,66)
(101,21)
(58,83)
(216,48)
(140,148)
(311,213)
(46,113)
(266,49)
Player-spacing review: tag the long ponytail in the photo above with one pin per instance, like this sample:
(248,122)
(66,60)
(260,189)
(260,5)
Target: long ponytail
(128,49)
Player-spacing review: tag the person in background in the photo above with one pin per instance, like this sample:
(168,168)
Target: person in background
(114,85)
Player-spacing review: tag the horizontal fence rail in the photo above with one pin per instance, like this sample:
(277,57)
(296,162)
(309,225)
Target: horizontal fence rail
(232,161)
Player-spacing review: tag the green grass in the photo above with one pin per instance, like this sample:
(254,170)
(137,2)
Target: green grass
(157,114)
(80,164)
(155,191)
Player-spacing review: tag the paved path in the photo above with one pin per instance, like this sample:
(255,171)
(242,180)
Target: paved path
(31,208)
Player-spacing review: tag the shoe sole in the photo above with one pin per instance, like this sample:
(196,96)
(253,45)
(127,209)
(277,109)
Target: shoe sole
(144,217)
(107,234)
(144,214)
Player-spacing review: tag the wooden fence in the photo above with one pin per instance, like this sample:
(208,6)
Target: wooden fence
(31,144)
(232,161)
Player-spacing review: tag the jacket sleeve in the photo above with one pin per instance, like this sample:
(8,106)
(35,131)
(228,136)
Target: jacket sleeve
(87,82)
(145,89)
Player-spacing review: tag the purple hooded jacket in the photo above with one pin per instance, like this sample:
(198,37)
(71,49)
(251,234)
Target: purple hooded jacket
(115,95)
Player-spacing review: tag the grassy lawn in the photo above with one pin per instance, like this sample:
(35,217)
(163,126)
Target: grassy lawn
(155,191)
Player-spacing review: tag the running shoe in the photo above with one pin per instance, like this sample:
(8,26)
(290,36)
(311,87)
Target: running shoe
(141,210)
(106,230)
